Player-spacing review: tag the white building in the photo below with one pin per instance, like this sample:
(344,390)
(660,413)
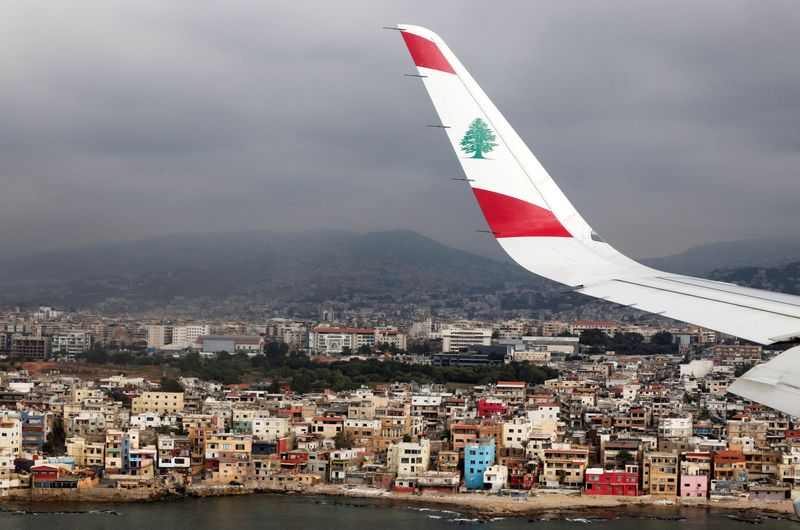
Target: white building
(10,435)
(270,429)
(72,342)
(409,459)
(186,336)
(675,427)
(168,337)
(453,339)
(336,340)
(697,368)
(515,433)
(495,478)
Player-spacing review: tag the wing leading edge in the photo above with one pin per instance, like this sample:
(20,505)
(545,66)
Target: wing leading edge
(541,230)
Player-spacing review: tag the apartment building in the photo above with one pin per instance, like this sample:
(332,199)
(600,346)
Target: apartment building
(660,474)
(408,459)
(454,339)
(158,402)
(564,467)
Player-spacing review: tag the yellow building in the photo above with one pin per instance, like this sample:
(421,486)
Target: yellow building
(232,445)
(158,402)
(660,474)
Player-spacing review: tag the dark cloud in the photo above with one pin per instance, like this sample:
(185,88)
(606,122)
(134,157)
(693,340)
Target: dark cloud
(667,125)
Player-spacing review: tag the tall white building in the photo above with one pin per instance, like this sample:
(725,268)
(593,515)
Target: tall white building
(186,336)
(10,435)
(72,342)
(409,459)
(453,339)
(675,427)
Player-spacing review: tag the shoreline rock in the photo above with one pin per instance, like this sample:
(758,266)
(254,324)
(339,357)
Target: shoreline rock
(477,505)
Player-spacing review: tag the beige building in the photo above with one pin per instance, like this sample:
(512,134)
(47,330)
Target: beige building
(86,453)
(564,467)
(158,402)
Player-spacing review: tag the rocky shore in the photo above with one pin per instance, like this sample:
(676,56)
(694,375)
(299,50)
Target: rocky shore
(477,505)
(560,504)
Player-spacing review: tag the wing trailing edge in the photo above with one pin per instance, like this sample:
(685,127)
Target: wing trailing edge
(541,230)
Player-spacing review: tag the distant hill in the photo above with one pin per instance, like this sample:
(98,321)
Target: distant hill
(295,272)
(700,260)
(785,279)
(308,266)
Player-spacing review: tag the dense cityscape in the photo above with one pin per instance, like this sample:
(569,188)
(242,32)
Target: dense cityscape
(98,407)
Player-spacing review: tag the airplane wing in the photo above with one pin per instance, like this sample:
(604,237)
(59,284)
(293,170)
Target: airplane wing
(539,228)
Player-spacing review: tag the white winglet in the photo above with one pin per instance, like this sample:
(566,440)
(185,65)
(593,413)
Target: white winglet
(539,228)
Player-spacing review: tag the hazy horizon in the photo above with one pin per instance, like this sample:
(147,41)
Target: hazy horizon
(668,126)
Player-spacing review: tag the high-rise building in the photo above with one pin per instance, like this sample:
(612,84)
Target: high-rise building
(453,339)
(72,342)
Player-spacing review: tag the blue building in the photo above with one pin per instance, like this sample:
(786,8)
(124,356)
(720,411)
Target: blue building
(34,432)
(477,457)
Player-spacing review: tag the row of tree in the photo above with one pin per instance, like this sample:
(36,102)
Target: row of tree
(305,375)
(628,343)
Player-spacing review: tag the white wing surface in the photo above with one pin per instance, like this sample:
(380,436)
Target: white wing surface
(539,228)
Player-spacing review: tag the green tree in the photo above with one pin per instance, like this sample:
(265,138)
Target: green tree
(623,457)
(662,338)
(479,139)
(301,383)
(169,384)
(343,440)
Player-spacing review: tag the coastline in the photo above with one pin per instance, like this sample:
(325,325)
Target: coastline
(476,505)
(561,505)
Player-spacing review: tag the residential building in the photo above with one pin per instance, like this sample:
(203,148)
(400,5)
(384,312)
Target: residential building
(478,456)
(408,459)
(660,474)
(456,339)
(619,483)
(158,402)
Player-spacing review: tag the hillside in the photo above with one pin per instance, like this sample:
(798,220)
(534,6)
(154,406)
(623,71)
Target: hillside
(700,260)
(308,267)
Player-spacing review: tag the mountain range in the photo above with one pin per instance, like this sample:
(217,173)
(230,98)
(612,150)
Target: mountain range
(381,268)
(308,266)
(773,252)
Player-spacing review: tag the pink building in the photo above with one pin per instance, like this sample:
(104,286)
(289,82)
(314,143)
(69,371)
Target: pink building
(695,486)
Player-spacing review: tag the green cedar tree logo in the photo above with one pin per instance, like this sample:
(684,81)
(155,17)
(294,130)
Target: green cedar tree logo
(479,139)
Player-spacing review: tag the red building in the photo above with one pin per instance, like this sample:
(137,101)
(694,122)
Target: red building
(45,472)
(294,461)
(618,483)
(519,477)
(490,407)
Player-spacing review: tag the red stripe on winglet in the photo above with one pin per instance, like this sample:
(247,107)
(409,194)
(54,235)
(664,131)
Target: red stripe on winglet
(425,53)
(511,217)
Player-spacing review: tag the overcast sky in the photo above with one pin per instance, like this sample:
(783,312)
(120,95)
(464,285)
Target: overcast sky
(667,124)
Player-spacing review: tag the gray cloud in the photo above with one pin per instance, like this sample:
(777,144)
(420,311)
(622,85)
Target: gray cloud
(667,125)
